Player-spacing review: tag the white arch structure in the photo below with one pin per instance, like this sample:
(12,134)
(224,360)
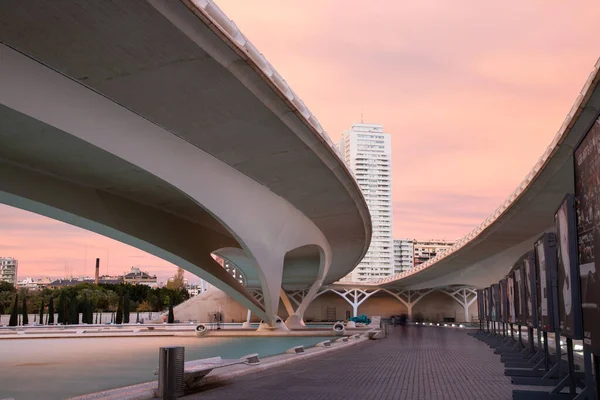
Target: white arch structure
(158,124)
(465,296)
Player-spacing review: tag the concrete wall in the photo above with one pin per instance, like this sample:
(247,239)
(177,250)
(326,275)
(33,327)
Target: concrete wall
(435,306)
(199,307)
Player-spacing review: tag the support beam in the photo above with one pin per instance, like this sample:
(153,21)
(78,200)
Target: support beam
(409,297)
(465,296)
(286,302)
(355,297)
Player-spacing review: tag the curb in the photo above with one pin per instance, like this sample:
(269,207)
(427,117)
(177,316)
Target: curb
(147,390)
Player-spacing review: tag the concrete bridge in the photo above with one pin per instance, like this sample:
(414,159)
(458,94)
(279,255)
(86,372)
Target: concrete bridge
(158,124)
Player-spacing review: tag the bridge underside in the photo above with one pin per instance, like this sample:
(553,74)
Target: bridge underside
(143,121)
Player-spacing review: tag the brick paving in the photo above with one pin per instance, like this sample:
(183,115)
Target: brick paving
(414,363)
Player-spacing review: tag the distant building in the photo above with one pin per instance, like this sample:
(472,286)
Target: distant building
(367,151)
(59,283)
(138,277)
(134,277)
(403,255)
(8,270)
(427,249)
(33,284)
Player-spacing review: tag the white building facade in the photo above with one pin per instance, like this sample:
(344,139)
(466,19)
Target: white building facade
(403,255)
(427,249)
(8,270)
(367,150)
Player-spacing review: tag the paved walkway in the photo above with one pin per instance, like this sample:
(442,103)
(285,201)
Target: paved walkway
(418,363)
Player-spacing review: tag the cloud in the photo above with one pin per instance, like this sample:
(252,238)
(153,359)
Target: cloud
(472,93)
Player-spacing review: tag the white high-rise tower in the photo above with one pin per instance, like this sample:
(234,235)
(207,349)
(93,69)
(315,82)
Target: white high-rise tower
(367,150)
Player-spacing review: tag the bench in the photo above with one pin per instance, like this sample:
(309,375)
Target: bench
(194,371)
(296,350)
(375,334)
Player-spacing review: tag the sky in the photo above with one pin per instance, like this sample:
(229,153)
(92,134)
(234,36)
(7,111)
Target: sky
(472,93)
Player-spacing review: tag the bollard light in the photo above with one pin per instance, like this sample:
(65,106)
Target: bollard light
(170,372)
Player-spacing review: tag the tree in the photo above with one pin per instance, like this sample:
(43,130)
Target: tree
(176,282)
(144,307)
(62,306)
(51,311)
(154,301)
(42,312)
(7,287)
(126,307)
(171,317)
(6,299)
(90,312)
(119,318)
(24,311)
(113,300)
(14,312)
(73,311)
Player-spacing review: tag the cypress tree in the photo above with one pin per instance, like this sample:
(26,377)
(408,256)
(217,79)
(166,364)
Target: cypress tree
(74,312)
(126,308)
(119,317)
(14,319)
(90,312)
(171,317)
(51,311)
(42,312)
(61,308)
(90,309)
(24,311)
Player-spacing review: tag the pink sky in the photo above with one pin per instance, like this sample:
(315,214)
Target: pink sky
(472,93)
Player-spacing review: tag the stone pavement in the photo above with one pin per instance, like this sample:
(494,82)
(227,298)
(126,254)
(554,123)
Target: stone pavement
(412,363)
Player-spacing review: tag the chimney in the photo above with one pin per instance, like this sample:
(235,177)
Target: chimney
(97,276)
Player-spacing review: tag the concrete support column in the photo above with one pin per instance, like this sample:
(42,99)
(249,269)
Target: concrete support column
(246,325)
(355,297)
(465,297)
(409,298)
(286,302)
(271,273)
(296,320)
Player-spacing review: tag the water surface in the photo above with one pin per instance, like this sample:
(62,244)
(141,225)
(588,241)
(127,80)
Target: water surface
(60,368)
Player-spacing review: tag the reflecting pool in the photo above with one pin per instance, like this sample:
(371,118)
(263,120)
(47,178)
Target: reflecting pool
(60,368)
